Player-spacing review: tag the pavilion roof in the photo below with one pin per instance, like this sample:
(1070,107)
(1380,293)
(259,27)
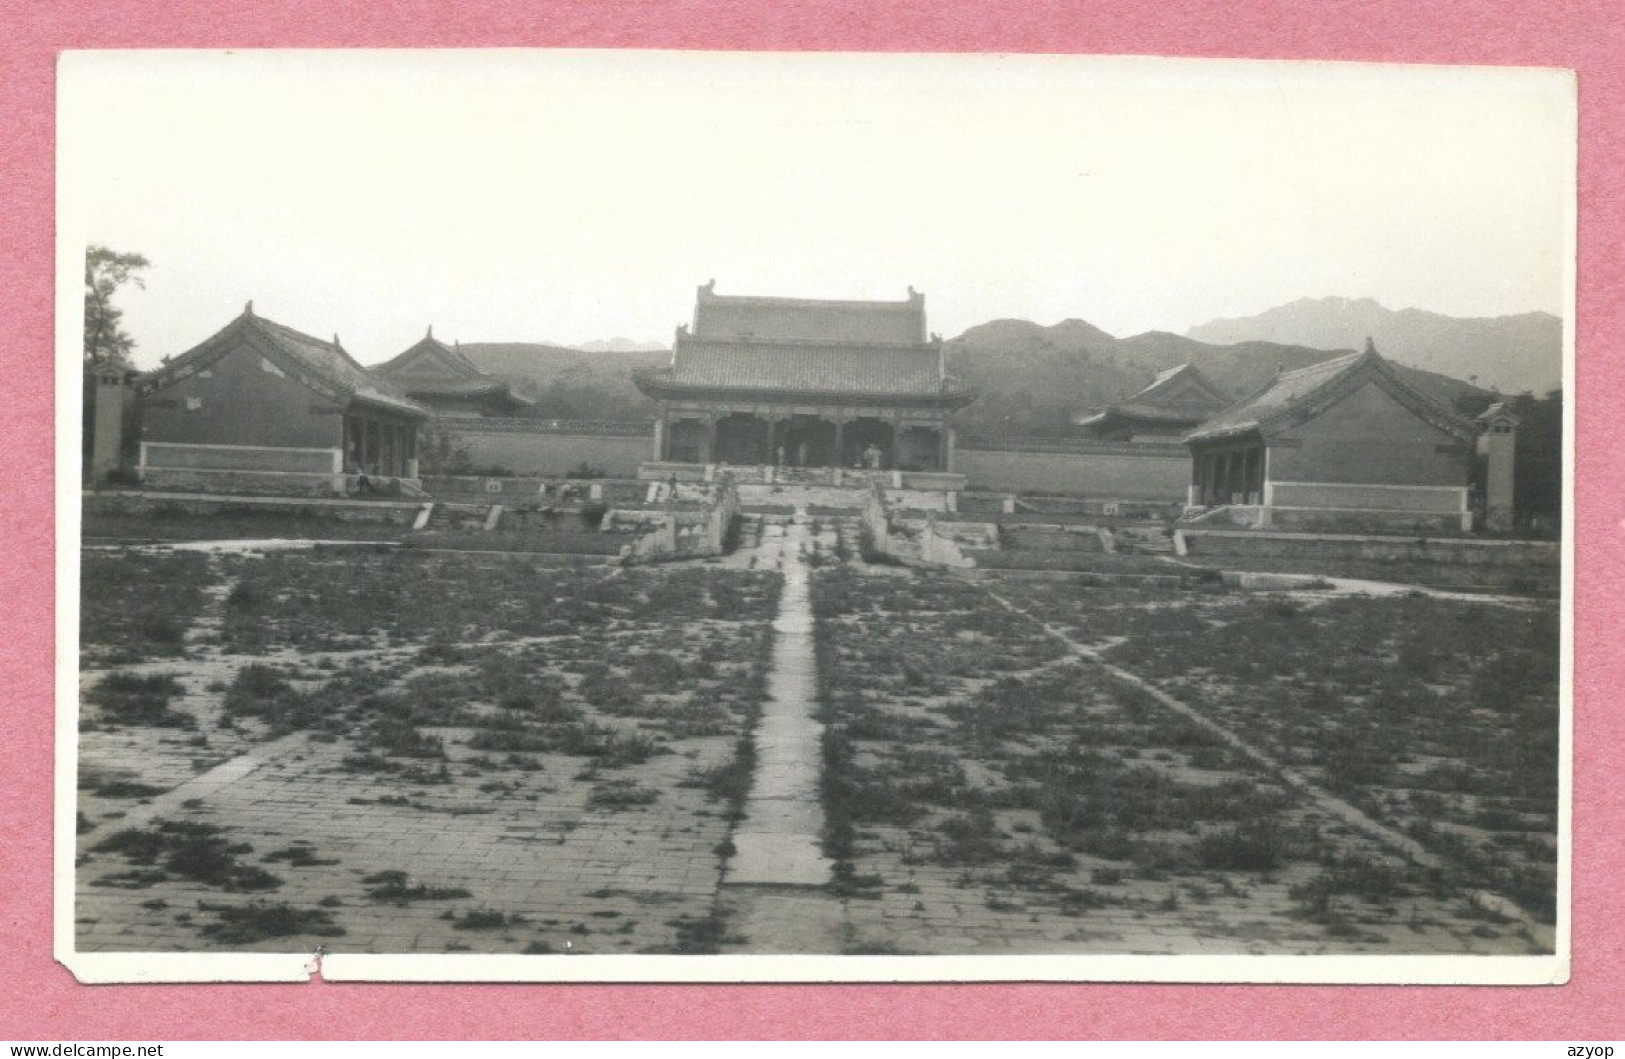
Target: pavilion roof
(1181,394)
(430,368)
(1294,397)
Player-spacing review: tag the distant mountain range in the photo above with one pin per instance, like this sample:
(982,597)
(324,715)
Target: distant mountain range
(1509,353)
(1034,378)
(619,344)
(569,383)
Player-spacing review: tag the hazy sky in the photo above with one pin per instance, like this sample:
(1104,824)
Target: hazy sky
(571,196)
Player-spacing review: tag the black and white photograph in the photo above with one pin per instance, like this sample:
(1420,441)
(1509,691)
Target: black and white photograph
(699,516)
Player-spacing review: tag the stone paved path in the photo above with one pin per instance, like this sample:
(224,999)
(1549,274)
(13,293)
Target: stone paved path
(774,896)
(779,841)
(198,788)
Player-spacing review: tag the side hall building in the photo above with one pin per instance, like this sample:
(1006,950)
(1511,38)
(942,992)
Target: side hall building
(1344,443)
(802,383)
(259,407)
(441,378)
(1174,403)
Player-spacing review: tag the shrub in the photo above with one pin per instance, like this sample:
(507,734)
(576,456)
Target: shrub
(621,794)
(128,698)
(260,691)
(484,919)
(249,923)
(401,739)
(1254,846)
(391,887)
(192,851)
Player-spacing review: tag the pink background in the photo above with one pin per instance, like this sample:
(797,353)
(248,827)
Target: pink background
(42,1001)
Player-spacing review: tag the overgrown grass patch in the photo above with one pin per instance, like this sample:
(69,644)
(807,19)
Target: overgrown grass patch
(396,888)
(250,923)
(136,605)
(190,850)
(124,697)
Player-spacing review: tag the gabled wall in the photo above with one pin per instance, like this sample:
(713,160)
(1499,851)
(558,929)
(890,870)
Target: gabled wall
(1370,438)
(244,398)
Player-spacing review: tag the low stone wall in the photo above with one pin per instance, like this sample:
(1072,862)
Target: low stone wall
(1459,551)
(393,512)
(1051,538)
(1072,466)
(967,533)
(240,482)
(156,454)
(1333,521)
(1159,473)
(684,535)
(939,549)
(543,448)
(1434,499)
(1322,520)
(915,543)
(527,489)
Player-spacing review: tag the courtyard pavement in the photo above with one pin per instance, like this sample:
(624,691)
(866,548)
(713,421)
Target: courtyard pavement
(542,870)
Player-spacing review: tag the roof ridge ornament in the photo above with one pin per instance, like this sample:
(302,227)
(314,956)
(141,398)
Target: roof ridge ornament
(248,307)
(1370,347)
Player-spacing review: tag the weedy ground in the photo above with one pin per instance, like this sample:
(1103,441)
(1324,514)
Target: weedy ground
(436,752)
(985,780)
(459,752)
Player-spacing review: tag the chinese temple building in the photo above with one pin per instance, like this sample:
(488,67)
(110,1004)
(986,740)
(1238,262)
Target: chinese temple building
(802,383)
(1348,437)
(1176,402)
(261,408)
(440,377)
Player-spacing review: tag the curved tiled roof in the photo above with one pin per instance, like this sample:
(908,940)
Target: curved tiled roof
(1293,397)
(809,319)
(1181,394)
(433,351)
(324,366)
(430,368)
(814,369)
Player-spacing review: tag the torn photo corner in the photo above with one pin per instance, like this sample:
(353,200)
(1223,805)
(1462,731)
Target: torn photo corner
(683,516)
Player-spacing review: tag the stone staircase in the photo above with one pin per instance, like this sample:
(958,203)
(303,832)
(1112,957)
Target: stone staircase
(836,497)
(848,533)
(457,516)
(1227,516)
(750,530)
(1142,540)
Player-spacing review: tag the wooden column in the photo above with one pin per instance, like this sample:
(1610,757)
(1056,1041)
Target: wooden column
(710,439)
